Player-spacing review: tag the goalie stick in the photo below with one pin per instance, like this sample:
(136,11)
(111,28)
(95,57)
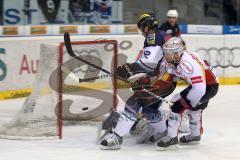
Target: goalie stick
(67,42)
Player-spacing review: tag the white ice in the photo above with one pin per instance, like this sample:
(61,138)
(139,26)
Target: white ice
(220,140)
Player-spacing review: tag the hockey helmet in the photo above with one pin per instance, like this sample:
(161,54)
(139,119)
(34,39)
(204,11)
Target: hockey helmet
(172,46)
(147,19)
(172,13)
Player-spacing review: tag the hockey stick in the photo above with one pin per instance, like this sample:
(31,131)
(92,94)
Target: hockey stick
(79,80)
(94,78)
(68,46)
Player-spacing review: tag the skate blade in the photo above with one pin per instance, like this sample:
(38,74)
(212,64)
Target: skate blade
(110,148)
(190,143)
(172,147)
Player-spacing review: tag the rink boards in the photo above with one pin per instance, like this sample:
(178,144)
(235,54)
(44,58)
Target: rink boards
(19,57)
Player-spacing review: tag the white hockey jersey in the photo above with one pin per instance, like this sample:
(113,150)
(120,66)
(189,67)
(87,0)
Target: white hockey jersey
(196,72)
(152,50)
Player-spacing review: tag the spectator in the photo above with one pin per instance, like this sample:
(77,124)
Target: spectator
(230,13)
(80,10)
(103,11)
(171,27)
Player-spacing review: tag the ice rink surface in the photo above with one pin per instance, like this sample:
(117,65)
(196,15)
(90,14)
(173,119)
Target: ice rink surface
(220,141)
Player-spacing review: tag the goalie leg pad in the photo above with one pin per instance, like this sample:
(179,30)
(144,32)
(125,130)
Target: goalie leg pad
(111,121)
(128,116)
(160,127)
(124,124)
(153,128)
(146,131)
(159,122)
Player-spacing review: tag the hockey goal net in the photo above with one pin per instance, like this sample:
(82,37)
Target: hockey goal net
(58,96)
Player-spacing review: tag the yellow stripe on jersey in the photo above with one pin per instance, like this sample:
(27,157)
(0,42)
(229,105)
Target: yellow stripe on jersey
(166,77)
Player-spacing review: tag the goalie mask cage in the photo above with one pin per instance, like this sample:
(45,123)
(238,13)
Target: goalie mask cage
(57,94)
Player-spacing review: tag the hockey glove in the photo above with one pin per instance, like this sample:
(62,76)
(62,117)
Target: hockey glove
(143,82)
(181,105)
(124,71)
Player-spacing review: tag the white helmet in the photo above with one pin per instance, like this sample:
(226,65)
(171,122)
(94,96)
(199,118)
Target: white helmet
(172,46)
(172,13)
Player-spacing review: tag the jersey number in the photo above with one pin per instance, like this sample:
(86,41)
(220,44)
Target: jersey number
(146,54)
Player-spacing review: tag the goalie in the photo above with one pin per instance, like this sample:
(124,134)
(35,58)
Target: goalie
(142,102)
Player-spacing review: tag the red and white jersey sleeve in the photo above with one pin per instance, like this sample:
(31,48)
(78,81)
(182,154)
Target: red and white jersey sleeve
(192,70)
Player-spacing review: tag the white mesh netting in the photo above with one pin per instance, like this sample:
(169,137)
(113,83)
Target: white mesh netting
(42,113)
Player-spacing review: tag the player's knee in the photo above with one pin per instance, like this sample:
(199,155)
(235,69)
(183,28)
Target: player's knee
(131,106)
(131,111)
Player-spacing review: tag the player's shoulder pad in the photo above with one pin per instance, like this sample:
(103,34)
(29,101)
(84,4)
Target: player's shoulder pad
(150,40)
(154,39)
(186,67)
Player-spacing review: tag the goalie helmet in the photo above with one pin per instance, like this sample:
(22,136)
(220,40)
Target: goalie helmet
(149,20)
(172,46)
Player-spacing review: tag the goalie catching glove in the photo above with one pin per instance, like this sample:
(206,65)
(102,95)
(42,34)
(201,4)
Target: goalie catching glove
(124,71)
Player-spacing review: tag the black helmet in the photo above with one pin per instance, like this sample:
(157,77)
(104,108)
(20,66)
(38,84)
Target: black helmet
(147,19)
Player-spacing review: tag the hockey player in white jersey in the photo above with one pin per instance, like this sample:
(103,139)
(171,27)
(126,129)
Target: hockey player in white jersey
(148,63)
(203,85)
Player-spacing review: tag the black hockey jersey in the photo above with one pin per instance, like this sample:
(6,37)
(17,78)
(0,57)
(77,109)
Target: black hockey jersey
(173,31)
